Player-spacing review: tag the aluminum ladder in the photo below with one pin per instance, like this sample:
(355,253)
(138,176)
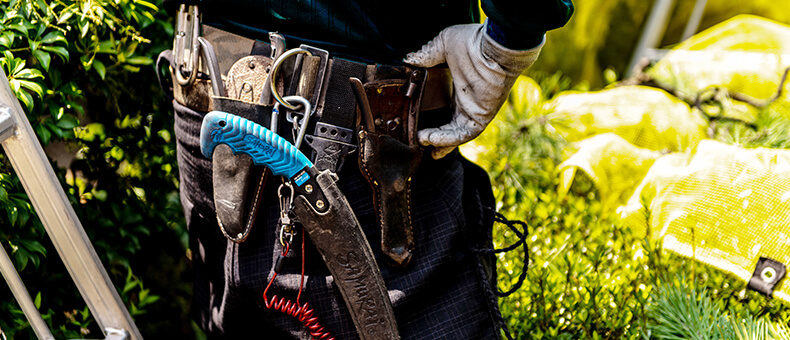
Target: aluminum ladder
(63,227)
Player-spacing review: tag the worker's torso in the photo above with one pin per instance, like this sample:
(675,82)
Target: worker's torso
(366,30)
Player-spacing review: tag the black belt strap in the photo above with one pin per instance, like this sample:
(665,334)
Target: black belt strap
(340,105)
(333,137)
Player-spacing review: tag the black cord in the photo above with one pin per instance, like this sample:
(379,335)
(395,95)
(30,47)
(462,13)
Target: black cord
(494,293)
(493,304)
(522,242)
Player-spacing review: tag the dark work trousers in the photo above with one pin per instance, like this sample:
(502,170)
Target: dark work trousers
(441,294)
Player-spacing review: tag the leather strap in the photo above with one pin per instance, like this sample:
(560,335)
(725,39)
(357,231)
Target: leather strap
(348,256)
(232,47)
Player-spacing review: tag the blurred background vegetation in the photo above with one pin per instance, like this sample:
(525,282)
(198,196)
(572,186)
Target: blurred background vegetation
(84,73)
(602,34)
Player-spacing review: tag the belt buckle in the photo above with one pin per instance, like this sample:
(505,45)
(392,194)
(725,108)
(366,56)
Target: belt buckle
(320,74)
(330,143)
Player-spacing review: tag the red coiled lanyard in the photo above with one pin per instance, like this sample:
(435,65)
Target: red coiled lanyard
(303,313)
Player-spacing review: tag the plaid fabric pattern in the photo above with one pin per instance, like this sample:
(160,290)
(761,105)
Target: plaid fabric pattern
(439,295)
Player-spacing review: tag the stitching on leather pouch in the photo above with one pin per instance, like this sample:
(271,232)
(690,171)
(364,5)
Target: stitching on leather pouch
(376,203)
(254,211)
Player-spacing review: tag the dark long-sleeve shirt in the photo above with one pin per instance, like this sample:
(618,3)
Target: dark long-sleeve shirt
(383,31)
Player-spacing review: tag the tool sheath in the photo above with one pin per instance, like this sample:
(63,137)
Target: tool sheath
(339,238)
(389,156)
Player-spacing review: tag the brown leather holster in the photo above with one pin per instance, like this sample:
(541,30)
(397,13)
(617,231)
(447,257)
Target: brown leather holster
(389,155)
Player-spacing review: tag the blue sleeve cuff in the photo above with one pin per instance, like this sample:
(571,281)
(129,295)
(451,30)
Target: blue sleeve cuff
(513,40)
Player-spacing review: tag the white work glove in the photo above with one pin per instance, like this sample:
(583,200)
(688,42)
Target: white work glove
(483,73)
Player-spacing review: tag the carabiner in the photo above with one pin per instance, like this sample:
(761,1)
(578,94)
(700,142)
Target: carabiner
(305,104)
(286,203)
(186,56)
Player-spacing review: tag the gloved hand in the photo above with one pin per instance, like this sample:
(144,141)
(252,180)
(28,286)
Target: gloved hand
(483,73)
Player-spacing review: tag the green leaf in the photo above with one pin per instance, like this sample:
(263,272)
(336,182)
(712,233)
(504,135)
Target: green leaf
(23,211)
(133,69)
(26,99)
(43,6)
(7,39)
(90,132)
(13,214)
(84,26)
(146,4)
(33,246)
(134,311)
(149,16)
(37,302)
(28,73)
(61,51)
(107,46)
(99,66)
(129,286)
(39,29)
(66,14)
(18,27)
(67,122)
(43,58)
(140,60)
(3,194)
(116,153)
(130,49)
(21,257)
(147,299)
(43,134)
(53,37)
(31,85)
(15,65)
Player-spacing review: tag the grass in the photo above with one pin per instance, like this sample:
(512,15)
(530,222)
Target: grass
(589,276)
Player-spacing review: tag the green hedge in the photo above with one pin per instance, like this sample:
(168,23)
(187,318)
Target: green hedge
(83,71)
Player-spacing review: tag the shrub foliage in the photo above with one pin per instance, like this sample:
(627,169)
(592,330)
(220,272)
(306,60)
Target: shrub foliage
(589,276)
(83,71)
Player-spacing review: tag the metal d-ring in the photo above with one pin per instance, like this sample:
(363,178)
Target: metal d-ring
(273,77)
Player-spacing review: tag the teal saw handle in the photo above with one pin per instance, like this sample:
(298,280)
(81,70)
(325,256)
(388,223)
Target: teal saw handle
(264,146)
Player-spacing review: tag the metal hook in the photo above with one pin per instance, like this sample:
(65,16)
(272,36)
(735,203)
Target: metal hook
(186,56)
(273,76)
(286,202)
(304,104)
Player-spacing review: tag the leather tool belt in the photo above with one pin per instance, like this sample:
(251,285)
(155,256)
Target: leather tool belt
(376,113)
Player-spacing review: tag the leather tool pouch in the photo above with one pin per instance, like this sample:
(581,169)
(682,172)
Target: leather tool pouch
(389,156)
(238,183)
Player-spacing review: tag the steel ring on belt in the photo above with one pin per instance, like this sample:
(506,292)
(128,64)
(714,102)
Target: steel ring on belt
(273,78)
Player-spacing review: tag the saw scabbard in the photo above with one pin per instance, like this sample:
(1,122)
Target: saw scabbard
(389,155)
(346,252)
